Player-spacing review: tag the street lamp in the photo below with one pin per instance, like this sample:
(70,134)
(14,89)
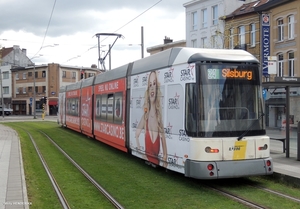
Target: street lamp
(2,100)
(34,104)
(34,95)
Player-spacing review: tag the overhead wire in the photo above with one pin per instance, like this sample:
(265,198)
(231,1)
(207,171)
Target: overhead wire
(119,28)
(46,29)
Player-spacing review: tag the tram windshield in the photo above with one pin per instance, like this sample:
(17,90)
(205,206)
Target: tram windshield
(226,100)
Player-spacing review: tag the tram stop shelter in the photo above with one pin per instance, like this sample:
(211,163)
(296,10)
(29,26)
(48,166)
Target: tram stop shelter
(285,84)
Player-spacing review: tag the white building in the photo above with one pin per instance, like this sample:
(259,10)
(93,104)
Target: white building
(204,24)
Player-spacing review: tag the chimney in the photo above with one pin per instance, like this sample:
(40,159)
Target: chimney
(167,40)
(24,51)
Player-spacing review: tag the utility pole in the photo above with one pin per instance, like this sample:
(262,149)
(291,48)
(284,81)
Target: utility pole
(34,104)
(142,41)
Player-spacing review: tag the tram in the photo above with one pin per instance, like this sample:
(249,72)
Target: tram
(195,111)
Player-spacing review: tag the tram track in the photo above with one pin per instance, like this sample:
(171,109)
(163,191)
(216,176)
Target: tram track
(234,197)
(277,193)
(54,183)
(90,178)
(248,201)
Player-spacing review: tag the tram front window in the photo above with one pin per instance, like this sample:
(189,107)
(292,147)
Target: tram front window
(228,101)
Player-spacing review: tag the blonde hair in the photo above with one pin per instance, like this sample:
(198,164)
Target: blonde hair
(158,109)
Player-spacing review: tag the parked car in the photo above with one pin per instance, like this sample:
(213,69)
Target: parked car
(7,111)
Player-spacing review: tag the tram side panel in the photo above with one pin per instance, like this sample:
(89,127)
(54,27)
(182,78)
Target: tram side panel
(170,103)
(86,116)
(73,109)
(109,114)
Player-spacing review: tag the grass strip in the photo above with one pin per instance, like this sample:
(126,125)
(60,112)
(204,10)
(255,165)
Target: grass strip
(128,179)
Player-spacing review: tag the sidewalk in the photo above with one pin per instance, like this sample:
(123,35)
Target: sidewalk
(13,193)
(285,167)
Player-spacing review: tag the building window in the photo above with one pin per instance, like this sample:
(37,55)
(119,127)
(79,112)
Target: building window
(231,43)
(64,74)
(242,35)
(215,15)
(29,74)
(30,89)
(5,90)
(280,65)
(44,89)
(73,74)
(252,34)
(291,27)
(17,90)
(291,64)
(43,74)
(280,30)
(204,18)
(36,74)
(203,42)
(24,75)
(194,43)
(214,42)
(194,21)
(91,74)
(17,76)
(24,90)
(5,75)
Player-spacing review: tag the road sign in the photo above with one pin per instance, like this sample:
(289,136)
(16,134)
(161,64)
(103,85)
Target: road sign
(266,94)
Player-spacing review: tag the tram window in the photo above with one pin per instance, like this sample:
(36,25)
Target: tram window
(191,110)
(118,110)
(103,107)
(110,105)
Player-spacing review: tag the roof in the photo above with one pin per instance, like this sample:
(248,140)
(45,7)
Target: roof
(246,9)
(270,4)
(6,51)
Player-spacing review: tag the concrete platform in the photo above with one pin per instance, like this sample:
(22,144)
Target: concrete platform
(13,193)
(285,167)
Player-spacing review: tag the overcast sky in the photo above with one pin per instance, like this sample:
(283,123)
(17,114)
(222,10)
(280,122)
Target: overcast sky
(74,23)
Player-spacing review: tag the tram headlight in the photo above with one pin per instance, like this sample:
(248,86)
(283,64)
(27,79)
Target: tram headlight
(210,150)
(265,147)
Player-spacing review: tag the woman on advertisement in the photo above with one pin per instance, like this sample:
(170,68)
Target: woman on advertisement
(152,123)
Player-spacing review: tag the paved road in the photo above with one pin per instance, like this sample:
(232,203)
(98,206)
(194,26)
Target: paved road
(13,118)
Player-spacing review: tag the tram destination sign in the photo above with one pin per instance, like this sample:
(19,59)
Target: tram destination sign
(227,73)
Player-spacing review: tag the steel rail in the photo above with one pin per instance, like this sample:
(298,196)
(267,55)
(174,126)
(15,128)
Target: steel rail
(101,189)
(55,185)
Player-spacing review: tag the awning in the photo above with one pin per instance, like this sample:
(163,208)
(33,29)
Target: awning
(276,101)
(52,102)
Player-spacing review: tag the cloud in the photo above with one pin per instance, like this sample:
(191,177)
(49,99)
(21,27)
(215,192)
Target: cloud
(74,23)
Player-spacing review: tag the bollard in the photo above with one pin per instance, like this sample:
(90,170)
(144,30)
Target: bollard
(298,141)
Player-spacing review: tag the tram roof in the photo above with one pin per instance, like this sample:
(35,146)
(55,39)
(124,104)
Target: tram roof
(180,55)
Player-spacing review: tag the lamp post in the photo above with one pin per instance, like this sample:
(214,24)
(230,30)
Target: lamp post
(2,100)
(34,94)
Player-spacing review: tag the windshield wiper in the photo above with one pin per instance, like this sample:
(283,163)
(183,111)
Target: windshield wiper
(241,136)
